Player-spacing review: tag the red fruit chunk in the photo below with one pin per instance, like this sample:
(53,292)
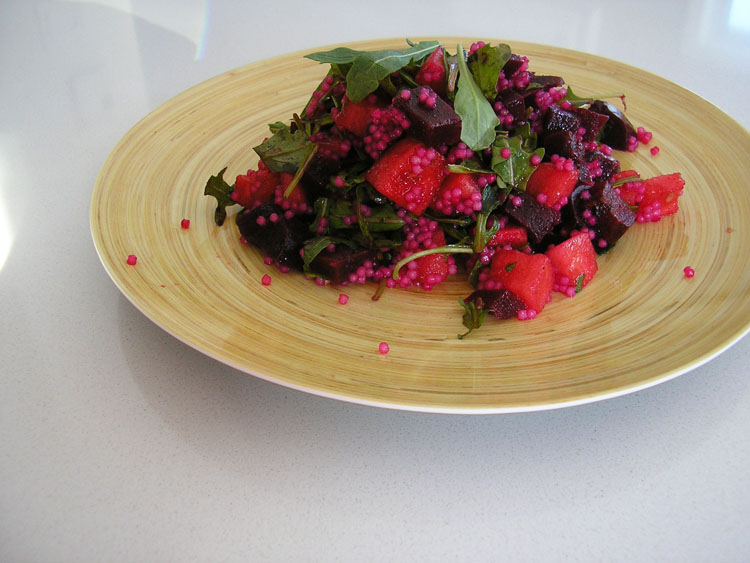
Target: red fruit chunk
(529,276)
(631,192)
(552,184)
(458,193)
(257,186)
(431,270)
(354,116)
(432,72)
(661,193)
(514,236)
(409,174)
(572,259)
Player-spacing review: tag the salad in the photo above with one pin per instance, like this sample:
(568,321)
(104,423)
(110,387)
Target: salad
(407,166)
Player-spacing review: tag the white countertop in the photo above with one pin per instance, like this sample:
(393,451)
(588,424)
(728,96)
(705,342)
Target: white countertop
(120,443)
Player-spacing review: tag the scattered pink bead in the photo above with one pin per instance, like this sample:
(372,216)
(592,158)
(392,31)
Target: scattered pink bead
(654,151)
(266,279)
(132,259)
(505,153)
(535,160)
(343,298)
(383,348)
(689,272)
(185,223)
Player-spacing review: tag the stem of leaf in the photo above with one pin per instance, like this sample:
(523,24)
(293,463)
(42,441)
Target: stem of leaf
(300,172)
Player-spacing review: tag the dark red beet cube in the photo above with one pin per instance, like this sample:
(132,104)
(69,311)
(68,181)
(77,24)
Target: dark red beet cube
(618,129)
(514,103)
(502,303)
(336,266)
(558,119)
(434,126)
(538,219)
(274,235)
(603,211)
(591,121)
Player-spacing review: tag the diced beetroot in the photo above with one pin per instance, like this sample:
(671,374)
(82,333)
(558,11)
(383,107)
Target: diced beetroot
(458,193)
(572,259)
(502,303)
(514,236)
(558,119)
(617,130)
(255,187)
(591,121)
(529,276)
(434,125)
(337,265)
(277,236)
(538,219)
(553,185)
(411,184)
(354,116)
(432,72)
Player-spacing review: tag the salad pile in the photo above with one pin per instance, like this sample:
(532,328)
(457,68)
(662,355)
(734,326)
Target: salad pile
(410,165)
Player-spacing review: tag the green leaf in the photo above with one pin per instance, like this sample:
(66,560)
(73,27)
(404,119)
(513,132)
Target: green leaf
(579,282)
(285,151)
(486,66)
(473,317)
(470,166)
(510,267)
(339,55)
(218,188)
(369,68)
(516,169)
(478,119)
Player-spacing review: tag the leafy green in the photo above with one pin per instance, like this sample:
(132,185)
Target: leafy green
(579,282)
(339,55)
(486,66)
(478,119)
(285,151)
(368,68)
(482,234)
(511,266)
(515,170)
(469,166)
(473,317)
(218,188)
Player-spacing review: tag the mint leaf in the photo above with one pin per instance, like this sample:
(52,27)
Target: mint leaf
(218,188)
(516,169)
(285,151)
(486,66)
(369,68)
(478,119)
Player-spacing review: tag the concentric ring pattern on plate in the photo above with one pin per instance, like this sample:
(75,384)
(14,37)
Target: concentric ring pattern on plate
(639,322)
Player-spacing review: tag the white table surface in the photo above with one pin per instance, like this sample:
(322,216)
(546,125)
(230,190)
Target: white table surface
(120,443)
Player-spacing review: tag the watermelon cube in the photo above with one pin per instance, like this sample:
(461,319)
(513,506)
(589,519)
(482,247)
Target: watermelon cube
(409,174)
(529,276)
(575,263)
(552,186)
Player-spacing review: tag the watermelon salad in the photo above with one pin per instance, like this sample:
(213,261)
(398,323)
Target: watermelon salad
(407,166)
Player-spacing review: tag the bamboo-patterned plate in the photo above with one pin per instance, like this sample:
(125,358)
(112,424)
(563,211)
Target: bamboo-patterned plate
(638,323)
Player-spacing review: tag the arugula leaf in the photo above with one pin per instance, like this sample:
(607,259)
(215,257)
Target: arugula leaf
(516,169)
(218,188)
(339,55)
(486,67)
(470,166)
(285,151)
(482,234)
(473,317)
(369,68)
(478,119)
